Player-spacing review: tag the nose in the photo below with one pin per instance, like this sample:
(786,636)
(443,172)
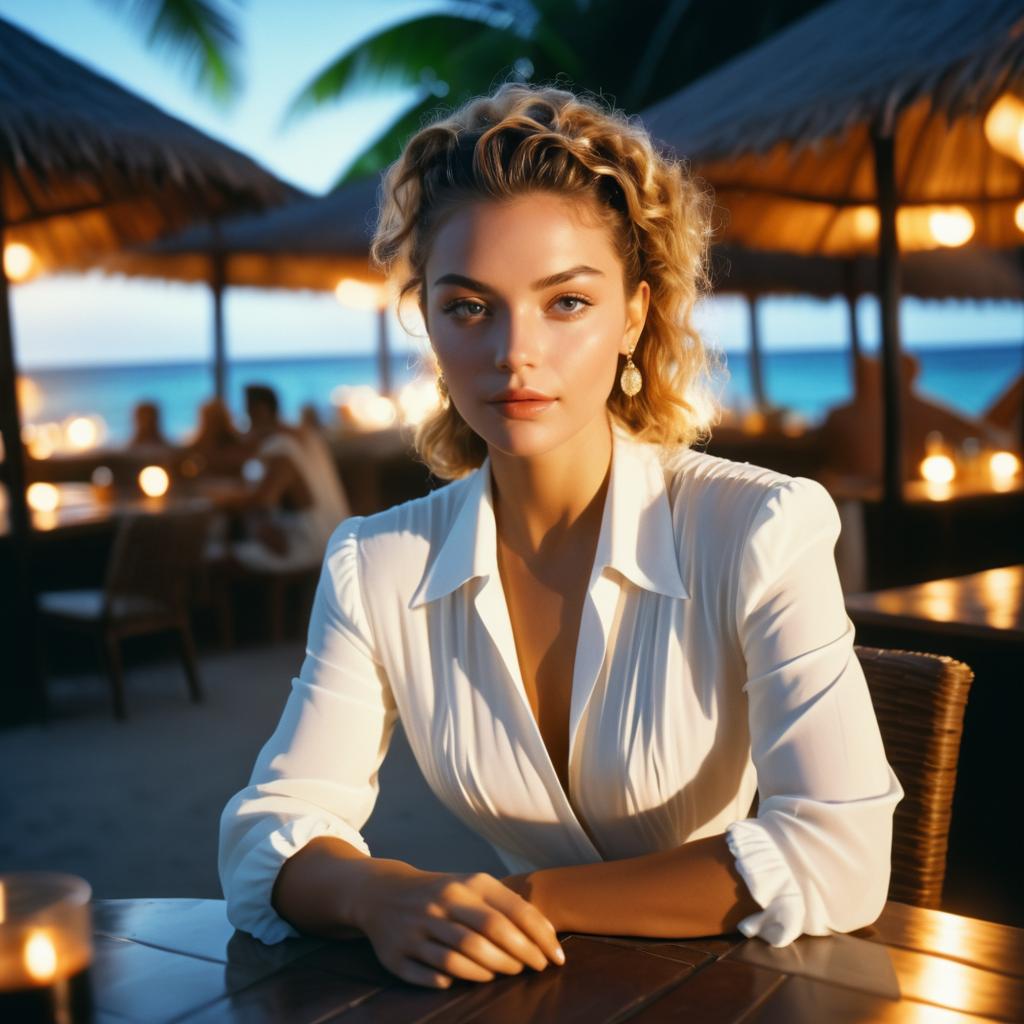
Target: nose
(516,343)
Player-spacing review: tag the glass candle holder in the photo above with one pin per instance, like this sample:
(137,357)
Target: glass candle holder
(45,948)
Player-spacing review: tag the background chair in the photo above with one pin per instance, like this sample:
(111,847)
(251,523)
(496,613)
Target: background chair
(145,591)
(919,700)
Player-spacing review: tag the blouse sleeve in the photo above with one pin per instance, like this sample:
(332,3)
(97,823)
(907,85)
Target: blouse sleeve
(816,858)
(317,773)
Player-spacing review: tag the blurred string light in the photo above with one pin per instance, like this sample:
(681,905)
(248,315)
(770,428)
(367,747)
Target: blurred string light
(357,294)
(1004,126)
(363,406)
(917,227)
(154,481)
(1003,465)
(83,432)
(20,262)
(42,497)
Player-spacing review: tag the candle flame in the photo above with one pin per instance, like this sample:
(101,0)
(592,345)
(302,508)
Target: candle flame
(40,957)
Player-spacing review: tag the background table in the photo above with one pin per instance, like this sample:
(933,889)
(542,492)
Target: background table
(978,619)
(166,959)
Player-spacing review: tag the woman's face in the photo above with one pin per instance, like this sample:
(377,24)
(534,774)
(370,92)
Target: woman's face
(527,295)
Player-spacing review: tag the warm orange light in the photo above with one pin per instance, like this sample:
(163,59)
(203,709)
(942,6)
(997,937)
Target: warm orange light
(42,497)
(1018,216)
(81,433)
(1004,126)
(417,400)
(938,469)
(154,481)
(359,294)
(928,227)
(917,227)
(30,398)
(1003,465)
(19,261)
(364,406)
(40,957)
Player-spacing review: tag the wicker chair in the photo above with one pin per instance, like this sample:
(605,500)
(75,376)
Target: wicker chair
(145,591)
(919,700)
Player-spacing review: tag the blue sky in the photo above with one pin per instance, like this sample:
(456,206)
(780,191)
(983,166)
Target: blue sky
(71,320)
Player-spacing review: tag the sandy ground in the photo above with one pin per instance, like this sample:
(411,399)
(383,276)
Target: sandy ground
(133,806)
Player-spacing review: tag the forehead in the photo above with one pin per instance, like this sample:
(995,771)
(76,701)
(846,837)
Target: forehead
(542,227)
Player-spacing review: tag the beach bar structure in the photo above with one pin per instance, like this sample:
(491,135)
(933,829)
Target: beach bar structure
(85,167)
(319,243)
(866,129)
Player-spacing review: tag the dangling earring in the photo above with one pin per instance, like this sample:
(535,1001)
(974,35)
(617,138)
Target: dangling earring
(630,380)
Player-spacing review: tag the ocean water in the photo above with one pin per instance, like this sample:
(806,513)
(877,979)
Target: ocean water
(968,378)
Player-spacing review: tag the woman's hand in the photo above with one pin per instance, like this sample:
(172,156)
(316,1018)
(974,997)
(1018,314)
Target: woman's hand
(428,927)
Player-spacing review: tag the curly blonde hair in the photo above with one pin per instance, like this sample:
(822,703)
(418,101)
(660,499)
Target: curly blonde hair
(527,138)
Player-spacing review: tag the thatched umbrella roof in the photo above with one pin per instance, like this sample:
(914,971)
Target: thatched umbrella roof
(821,138)
(310,243)
(970,273)
(86,165)
(784,131)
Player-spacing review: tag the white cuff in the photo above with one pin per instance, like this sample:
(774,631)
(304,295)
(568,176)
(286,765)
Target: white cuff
(770,882)
(249,889)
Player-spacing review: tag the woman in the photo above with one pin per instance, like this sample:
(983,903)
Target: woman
(601,642)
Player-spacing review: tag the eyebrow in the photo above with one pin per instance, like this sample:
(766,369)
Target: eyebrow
(544,282)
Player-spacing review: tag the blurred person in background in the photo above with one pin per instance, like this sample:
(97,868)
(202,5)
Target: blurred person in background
(852,433)
(293,509)
(217,447)
(148,440)
(313,434)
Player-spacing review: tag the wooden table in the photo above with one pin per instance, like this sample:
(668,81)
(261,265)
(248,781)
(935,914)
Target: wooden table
(179,959)
(984,605)
(977,619)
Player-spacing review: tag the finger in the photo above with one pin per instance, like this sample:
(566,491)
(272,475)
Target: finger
(474,945)
(501,930)
(416,973)
(528,919)
(451,961)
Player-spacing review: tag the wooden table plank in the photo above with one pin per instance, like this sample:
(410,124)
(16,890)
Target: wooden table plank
(891,972)
(599,982)
(987,605)
(196,928)
(802,999)
(721,993)
(969,940)
(141,983)
(298,995)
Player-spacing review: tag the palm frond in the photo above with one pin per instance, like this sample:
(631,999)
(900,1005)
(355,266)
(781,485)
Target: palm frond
(203,34)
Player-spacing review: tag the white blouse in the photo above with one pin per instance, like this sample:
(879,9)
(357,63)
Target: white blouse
(714,660)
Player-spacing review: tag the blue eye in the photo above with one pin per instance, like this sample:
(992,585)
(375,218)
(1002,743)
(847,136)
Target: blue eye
(458,304)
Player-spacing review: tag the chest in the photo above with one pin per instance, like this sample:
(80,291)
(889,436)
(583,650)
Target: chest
(544,611)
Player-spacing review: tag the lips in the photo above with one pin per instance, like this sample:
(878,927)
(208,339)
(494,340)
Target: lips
(521,395)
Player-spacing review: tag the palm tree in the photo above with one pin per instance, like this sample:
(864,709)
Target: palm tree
(634,53)
(202,34)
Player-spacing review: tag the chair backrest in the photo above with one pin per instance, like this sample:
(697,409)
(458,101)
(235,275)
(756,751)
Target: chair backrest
(155,553)
(919,700)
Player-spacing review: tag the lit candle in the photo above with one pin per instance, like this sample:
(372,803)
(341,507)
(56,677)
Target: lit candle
(45,948)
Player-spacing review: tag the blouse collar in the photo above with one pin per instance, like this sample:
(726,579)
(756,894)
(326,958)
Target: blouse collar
(637,537)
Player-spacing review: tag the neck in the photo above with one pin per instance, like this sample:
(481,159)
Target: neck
(541,501)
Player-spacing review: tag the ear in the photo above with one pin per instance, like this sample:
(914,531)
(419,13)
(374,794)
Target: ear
(636,316)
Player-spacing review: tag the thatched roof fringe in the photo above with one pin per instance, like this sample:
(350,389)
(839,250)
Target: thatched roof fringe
(847,63)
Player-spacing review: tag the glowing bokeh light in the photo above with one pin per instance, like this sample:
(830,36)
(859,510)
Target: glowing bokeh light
(154,481)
